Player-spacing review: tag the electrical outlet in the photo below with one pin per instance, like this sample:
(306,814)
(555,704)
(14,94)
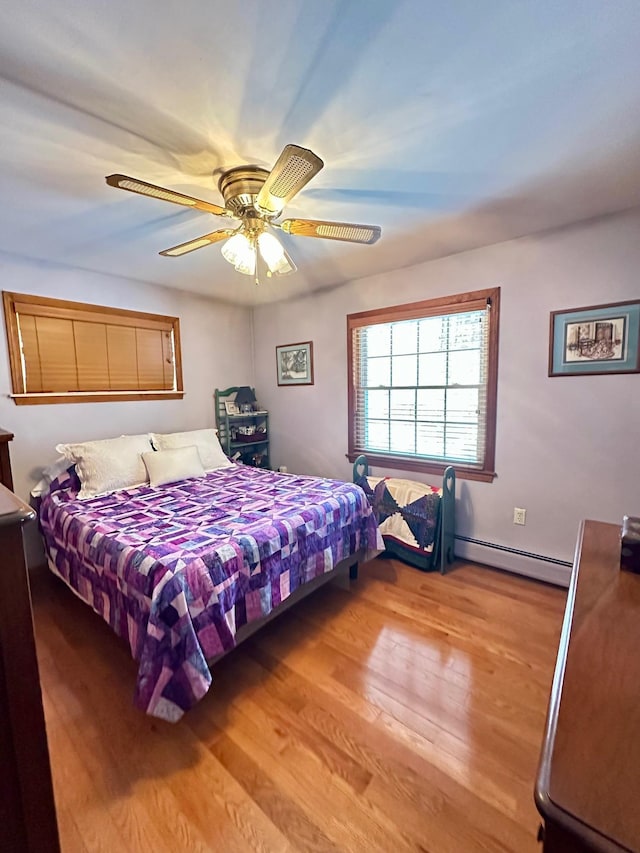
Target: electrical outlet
(519,515)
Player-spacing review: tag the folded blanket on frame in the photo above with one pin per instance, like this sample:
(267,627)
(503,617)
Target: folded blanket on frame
(408,514)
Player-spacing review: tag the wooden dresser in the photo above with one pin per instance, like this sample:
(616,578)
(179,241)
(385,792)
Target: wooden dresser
(6,478)
(588,785)
(27,811)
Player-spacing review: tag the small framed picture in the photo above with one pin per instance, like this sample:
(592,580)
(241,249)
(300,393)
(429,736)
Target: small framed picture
(597,339)
(294,363)
(231,407)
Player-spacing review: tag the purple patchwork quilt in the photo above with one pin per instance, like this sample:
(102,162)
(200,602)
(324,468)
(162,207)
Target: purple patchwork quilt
(177,569)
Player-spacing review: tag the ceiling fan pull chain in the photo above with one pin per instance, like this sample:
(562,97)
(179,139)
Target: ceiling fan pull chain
(254,243)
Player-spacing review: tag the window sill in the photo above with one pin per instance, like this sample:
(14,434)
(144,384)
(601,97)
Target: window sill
(93,397)
(413,464)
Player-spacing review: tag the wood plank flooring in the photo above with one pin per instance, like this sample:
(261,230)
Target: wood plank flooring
(405,715)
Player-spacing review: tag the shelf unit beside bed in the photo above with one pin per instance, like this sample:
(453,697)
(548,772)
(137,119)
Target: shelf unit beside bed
(253,446)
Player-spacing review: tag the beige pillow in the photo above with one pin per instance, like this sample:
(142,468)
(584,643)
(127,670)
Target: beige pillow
(169,466)
(206,440)
(107,465)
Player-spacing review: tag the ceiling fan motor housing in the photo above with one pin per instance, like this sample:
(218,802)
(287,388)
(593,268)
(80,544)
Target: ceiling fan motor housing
(240,186)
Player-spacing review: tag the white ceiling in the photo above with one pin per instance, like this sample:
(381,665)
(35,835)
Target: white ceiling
(450,124)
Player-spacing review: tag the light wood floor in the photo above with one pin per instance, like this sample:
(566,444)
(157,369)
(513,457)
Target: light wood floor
(405,715)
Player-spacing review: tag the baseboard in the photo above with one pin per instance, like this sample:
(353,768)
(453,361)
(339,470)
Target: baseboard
(536,566)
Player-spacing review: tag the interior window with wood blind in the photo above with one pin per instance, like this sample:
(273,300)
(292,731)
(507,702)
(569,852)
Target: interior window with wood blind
(423,383)
(65,352)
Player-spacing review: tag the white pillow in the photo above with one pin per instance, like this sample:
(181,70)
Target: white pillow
(206,440)
(169,466)
(104,466)
(49,474)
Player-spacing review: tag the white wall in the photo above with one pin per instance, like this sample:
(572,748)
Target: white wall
(216,352)
(567,448)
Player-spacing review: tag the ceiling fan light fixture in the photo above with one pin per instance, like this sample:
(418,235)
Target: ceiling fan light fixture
(256,197)
(240,252)
(275,257)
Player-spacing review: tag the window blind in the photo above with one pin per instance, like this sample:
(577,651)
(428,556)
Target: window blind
(65,348)
(421,383)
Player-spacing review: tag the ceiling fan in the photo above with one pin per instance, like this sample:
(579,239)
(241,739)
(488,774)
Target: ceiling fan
(257,198)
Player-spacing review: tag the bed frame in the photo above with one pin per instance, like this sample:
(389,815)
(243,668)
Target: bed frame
(443,548)
(341,576)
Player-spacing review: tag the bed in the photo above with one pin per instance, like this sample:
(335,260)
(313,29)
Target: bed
(417,521)
(182,570)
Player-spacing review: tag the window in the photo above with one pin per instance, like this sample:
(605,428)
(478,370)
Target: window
(422,384)
(66,352)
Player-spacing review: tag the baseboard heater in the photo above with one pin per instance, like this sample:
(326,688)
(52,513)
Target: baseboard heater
(516,560)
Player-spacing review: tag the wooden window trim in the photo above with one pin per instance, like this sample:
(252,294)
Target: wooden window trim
(458,303)
(94,397)
(28,304)
(97,314)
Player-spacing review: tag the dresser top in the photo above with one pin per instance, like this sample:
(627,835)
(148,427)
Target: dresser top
(12,509)
(589,774)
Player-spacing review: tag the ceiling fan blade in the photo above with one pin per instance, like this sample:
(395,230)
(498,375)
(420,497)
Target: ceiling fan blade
(346,231)
(133,185)
(294,168)
(198,243)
